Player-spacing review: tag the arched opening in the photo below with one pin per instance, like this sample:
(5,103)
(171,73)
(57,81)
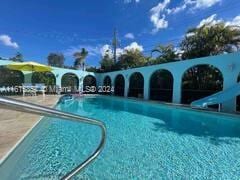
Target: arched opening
(119,85)
(10,78)
(47,78)
(107,85)
(89,84)
(136,85)
(161,86)
(70,83)
(238,97)
(200,81)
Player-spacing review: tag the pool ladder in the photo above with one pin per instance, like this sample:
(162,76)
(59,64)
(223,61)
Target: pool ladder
(9,103)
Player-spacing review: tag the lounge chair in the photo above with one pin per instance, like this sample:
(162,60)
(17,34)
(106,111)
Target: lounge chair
(40,87)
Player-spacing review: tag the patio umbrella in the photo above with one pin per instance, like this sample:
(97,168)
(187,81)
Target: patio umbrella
(29,66)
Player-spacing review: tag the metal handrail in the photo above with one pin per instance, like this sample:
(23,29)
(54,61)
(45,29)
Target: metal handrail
(22,106)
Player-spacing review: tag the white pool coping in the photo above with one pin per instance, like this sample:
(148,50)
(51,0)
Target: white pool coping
(5,157)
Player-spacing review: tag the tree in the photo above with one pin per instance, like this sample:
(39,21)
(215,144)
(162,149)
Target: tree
(131,59)
(56,59)
(80,58)
(210,40)
(107,63)
(166,54)
(17,58)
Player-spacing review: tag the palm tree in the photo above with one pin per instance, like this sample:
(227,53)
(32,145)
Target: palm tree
(210,40)
(166,54)
(80,58)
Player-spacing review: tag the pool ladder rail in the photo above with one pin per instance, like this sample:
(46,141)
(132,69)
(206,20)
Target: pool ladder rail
(9,103)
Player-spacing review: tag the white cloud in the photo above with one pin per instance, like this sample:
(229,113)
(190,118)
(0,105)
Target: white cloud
(159,12)
(234,22)
(107,49)
(92,50)
(204,3)
(210,21)
(193,5)
(119,52)
(158,18)
(7,41)
(129,36)
(177,9)
(133,47)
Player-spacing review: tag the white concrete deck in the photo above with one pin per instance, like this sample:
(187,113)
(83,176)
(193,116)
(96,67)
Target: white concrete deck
(14,125)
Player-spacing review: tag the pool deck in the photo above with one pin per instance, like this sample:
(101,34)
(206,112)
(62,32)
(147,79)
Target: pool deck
(14,125)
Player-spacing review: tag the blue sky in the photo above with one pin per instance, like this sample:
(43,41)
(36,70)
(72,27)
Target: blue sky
(36,28)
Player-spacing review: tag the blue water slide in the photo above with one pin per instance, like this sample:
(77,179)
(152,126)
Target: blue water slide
(218,98)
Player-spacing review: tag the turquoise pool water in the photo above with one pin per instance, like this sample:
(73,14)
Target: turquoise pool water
(144,141)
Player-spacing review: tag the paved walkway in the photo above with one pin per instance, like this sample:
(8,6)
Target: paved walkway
(14,125)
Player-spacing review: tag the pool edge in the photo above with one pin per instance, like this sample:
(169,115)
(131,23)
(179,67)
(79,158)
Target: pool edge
(8,154)
(178,106)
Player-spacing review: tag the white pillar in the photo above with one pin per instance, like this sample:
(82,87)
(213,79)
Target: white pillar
(81,83)
(58,84)
(177,89)
(229,80)
(58,80)
(99,81)
(126,88)
(146,87)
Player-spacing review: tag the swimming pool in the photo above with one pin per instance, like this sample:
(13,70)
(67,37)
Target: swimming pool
(144,141)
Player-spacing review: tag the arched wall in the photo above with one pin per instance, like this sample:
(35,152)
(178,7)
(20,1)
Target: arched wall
(59,72)
(228,64)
